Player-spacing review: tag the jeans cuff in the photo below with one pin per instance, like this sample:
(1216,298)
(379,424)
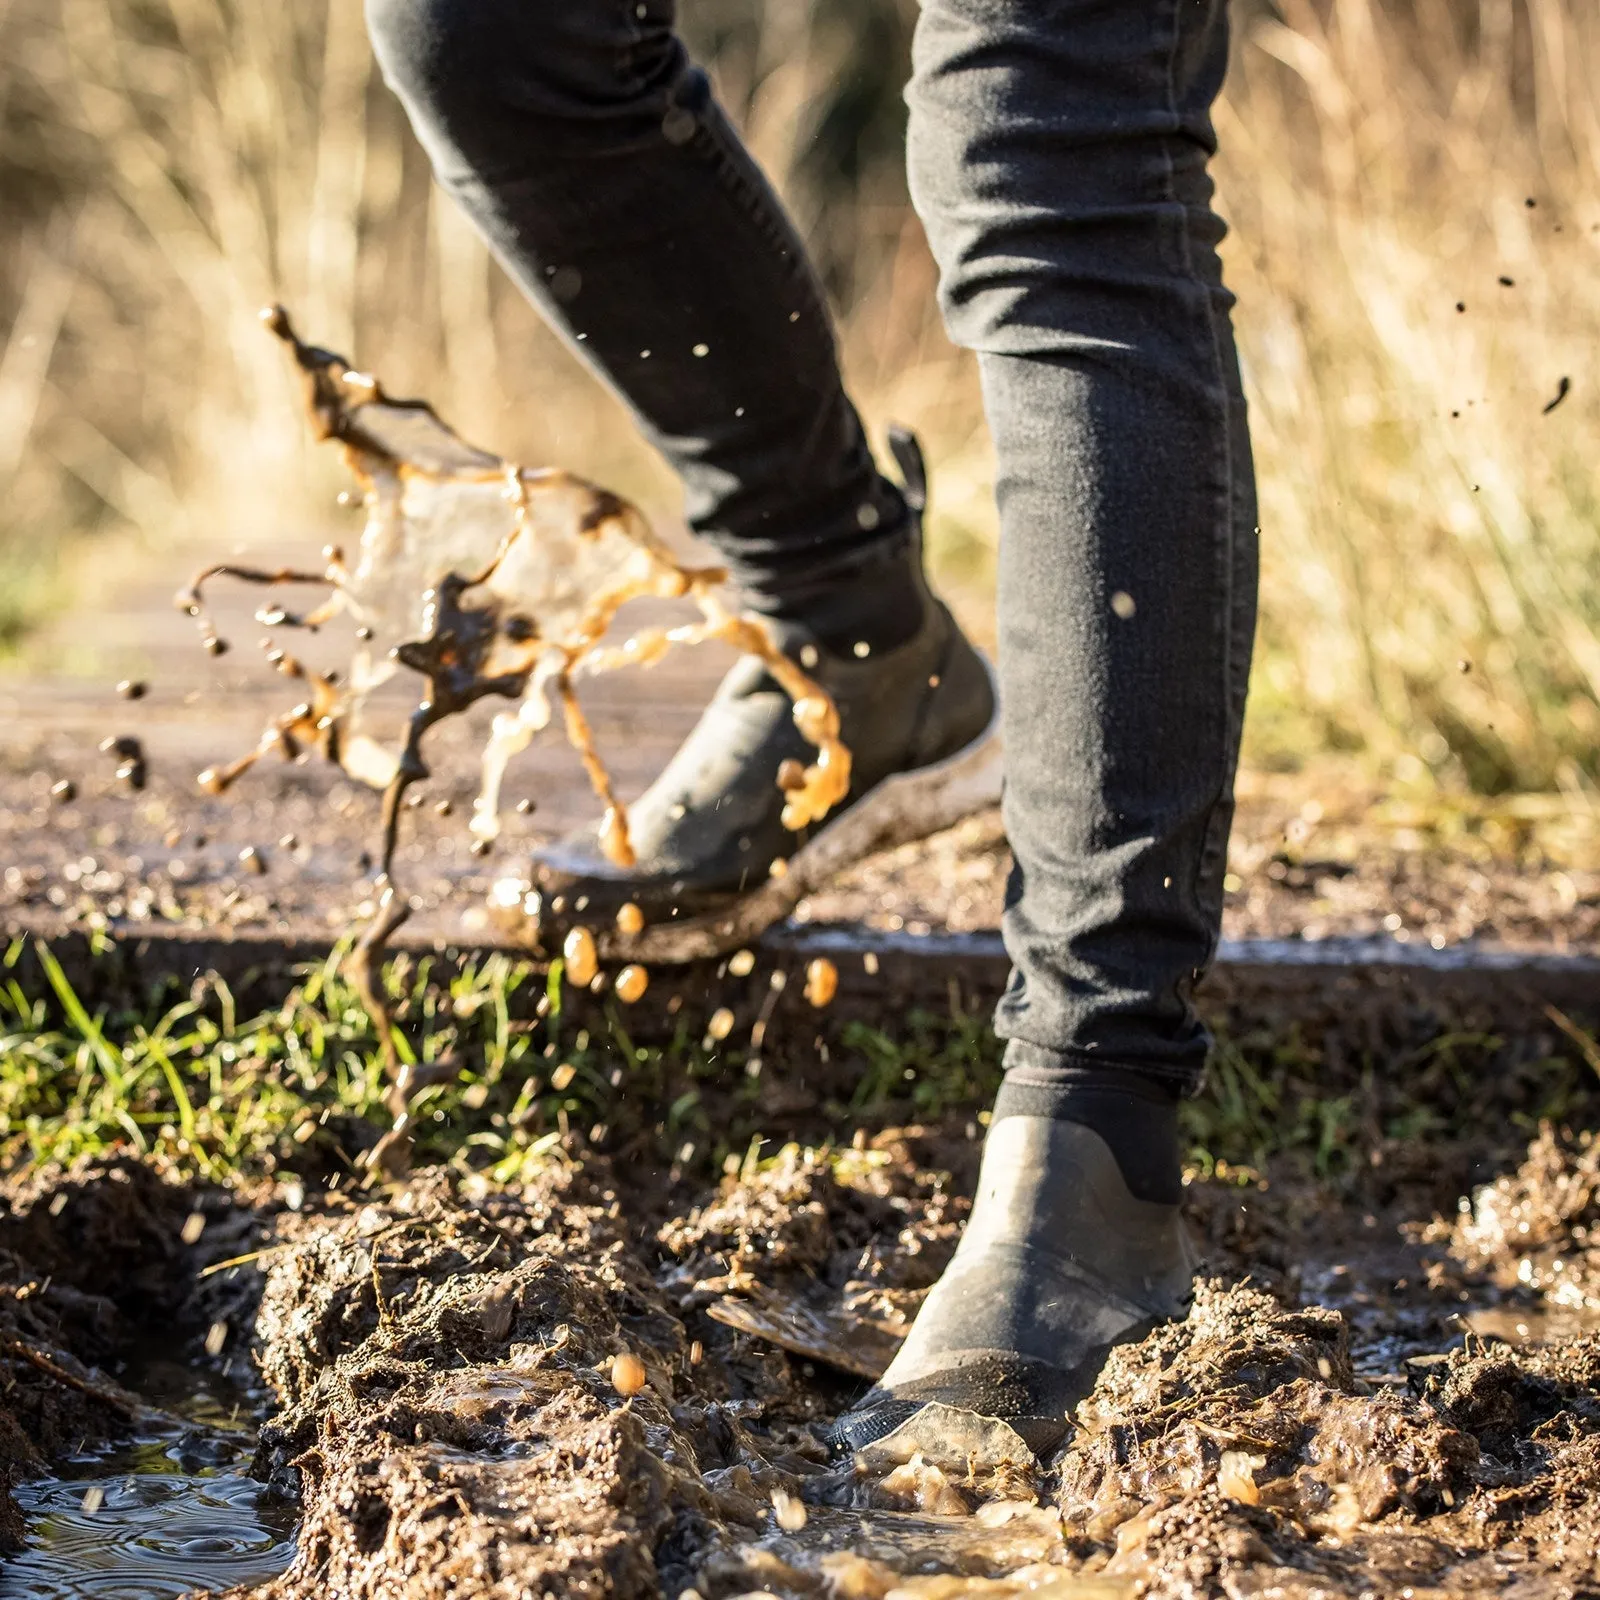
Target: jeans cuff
(1040,1065)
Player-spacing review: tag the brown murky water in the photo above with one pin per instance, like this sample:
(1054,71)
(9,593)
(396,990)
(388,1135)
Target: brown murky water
(172,1509)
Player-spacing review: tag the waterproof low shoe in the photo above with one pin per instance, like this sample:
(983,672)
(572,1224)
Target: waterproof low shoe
(1059,1263)
(715,863)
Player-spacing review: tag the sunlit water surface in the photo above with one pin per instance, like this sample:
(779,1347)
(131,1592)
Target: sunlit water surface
(169,1512)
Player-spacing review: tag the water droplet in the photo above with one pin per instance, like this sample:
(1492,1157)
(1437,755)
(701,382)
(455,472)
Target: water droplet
(721,1024)
(742,963)
(562,1077)
(631,984)
(628,1376)
(615,845)
(1123,604)
(630,919)
(808,656)
(867,516)
(581,958)
(861,649)
(822,982)
(788,1511)
(702,349)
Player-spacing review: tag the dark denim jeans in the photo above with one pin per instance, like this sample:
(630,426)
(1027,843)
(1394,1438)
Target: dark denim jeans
(1058,154)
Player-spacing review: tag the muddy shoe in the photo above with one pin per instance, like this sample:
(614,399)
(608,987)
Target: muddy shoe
(716,865)
(1059,1263)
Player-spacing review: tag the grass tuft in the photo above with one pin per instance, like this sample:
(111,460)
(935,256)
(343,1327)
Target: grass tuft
(297,1093)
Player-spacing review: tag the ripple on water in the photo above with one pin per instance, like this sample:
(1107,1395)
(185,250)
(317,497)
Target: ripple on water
(153,1536)
(172,1511)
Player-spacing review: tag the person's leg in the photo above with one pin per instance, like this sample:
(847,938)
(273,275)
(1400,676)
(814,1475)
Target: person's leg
(588,150)
(1058,158)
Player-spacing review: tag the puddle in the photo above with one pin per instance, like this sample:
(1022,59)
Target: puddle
(168,1512)
(1533,1324)
(1003,1539)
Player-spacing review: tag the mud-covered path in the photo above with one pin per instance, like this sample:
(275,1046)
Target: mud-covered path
(289,851)
(616,1383)
(615,1379)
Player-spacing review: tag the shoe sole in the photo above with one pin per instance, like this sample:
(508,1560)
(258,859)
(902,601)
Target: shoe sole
(900,810)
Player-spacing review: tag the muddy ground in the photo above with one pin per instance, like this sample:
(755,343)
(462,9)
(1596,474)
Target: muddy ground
(291,849)
(614,1382)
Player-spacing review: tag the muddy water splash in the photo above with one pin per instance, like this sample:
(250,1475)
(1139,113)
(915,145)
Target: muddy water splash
(486,579)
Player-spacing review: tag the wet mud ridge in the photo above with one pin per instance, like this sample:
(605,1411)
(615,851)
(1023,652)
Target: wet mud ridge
(616,1383)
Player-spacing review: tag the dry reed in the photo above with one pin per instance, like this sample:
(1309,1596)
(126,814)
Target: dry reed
(1430,590)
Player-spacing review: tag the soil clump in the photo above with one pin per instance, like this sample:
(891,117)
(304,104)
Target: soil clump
(447,1361)
(616,1380)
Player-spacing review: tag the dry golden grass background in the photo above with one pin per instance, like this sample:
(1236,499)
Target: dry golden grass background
(168,166)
